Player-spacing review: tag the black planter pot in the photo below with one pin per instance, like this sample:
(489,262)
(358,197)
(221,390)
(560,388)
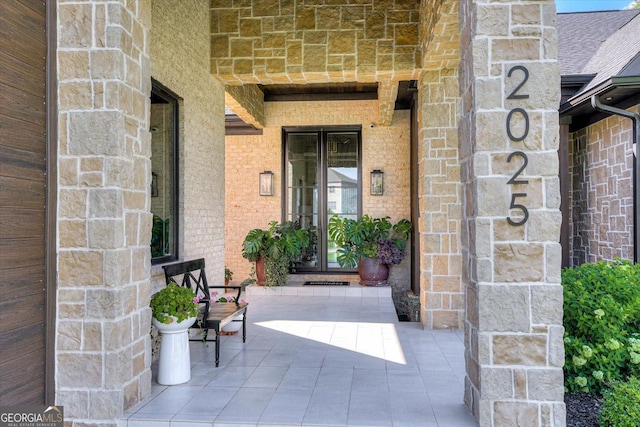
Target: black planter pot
(371,273)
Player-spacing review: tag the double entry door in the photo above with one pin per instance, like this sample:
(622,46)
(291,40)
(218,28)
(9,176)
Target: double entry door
(322,179)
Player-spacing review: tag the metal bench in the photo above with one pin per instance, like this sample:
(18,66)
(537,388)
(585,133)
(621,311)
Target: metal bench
(212,315)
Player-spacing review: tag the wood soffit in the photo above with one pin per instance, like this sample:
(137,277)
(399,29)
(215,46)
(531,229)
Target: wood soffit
(319,92)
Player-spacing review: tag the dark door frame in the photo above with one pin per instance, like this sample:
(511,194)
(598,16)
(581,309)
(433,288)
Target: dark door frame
(322,132)
(415,211)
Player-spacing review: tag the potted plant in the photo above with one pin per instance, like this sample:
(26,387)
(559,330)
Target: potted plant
(371,244)
(174,310)
(274,250)
(174,304)
(228,275)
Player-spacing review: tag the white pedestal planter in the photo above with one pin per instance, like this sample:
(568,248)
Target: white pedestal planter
(174,364)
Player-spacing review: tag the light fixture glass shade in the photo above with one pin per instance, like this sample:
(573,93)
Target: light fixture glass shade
(266,183)
(377,182)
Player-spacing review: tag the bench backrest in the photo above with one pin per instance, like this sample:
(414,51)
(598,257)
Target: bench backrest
(193,277)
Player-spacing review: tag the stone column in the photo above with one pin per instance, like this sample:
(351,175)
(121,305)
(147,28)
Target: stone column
(102,344)
(441,291)
(509,80)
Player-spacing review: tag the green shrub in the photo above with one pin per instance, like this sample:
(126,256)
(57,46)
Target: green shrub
(601,320)
(621,406)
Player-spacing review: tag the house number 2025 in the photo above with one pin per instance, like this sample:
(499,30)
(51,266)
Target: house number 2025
(515,180)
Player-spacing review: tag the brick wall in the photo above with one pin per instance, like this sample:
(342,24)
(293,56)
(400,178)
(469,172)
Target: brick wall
(385,148)
(179,51)
(601,174)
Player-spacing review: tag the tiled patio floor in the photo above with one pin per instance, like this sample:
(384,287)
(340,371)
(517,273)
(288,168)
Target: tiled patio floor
(316,360)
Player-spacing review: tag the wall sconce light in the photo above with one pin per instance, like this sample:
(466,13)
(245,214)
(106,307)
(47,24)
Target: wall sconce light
(266,183)
(377,182)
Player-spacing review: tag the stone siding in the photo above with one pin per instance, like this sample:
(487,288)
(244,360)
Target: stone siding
(385,148)
(601,173)
(513,324)
(306,42)
(104,176)
(439,187)
(103,349)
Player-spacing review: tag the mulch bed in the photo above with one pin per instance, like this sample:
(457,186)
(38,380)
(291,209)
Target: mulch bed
(582,409)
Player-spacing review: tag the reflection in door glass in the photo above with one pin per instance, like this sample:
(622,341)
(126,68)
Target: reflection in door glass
(302,187)
(342,182)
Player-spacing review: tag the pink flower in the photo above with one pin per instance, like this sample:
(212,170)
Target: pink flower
(196,300)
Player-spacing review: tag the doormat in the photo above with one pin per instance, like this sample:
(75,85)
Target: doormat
(325,284)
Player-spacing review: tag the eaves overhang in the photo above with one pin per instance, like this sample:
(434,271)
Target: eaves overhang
(620,91)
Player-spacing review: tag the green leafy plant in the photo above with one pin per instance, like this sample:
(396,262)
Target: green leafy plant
(621,405)
(280,245)
(365,237)
(174,300)
(228,274)
(159,237)
(601,318)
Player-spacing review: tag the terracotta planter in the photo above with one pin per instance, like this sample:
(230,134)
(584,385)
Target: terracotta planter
(372,273)
(260,273)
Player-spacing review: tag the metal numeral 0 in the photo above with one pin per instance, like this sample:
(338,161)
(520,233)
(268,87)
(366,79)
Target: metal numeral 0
(525,116)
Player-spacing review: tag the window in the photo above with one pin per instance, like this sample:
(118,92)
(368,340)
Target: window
(164,174)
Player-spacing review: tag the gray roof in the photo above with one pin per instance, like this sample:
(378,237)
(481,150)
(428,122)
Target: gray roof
(614,54)
(580,36)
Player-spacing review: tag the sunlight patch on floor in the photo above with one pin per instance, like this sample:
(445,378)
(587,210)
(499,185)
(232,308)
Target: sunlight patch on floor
(378,340)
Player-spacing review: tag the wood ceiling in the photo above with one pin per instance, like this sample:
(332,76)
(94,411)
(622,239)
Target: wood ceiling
(319,92)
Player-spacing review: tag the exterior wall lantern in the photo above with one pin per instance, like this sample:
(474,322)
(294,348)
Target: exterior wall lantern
(266,183)
(377,182)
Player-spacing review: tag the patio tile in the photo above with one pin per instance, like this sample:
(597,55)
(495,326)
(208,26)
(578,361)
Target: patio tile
(327,407)
(370,408)
(287,407)
(407,414)
(246,406)
(208,403)
(266,376)
(318,361)
(300,379)
(405,380)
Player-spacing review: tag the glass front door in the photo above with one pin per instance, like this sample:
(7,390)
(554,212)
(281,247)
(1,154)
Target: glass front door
(322,180)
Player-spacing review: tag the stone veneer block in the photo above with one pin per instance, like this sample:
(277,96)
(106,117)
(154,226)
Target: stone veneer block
(527,350)
(504,308)
(515,414)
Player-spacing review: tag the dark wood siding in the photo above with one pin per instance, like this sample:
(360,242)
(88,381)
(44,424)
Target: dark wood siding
(23,152)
